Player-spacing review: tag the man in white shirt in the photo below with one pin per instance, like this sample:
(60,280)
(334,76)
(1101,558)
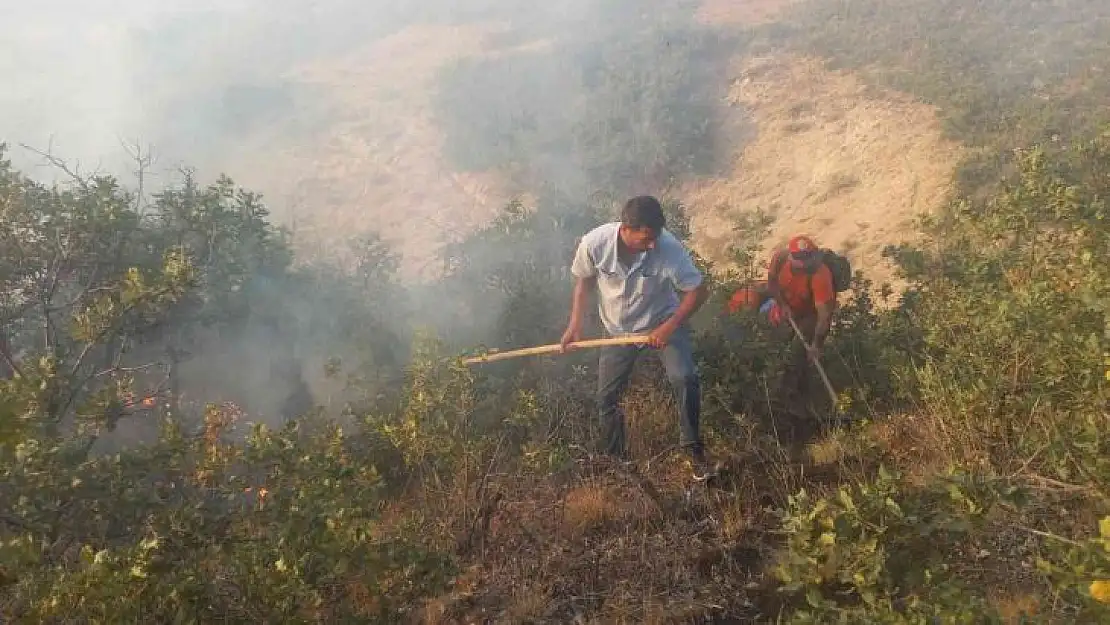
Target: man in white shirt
(637,266)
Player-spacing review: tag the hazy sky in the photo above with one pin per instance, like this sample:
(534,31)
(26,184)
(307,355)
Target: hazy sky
(74,70)
(88,72)
(85,74)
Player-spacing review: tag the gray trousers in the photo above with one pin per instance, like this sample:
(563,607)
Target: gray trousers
(615,367)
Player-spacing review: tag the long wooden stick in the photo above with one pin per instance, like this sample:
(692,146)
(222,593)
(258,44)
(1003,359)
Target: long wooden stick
(635,339)
(820,369)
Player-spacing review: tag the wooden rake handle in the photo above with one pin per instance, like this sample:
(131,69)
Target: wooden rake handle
(820,369)
(555,348)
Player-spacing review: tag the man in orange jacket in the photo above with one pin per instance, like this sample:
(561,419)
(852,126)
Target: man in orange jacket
(801,286)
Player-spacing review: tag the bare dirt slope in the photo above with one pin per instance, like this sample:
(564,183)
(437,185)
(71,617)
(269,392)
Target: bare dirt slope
(375,160)
(831,157)
(828,154)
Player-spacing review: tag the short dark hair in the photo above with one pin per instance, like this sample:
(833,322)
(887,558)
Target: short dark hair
(643,211)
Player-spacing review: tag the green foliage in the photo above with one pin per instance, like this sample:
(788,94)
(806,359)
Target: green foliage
(1080,571)
(1013,307)
(869,552)
(870,351)
(226,230)
(84,277)
(100,302)
(295,537)
(616,105)
(435,422)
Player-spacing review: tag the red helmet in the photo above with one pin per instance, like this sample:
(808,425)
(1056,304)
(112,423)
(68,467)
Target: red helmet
(802,245)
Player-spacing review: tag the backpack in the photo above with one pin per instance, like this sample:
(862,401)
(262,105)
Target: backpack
(839,266)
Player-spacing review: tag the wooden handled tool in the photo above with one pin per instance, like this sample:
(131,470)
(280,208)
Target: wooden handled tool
(555,348)
(820,369)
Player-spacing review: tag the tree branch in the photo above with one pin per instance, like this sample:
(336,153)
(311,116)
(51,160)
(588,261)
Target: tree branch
(6,354)
(143,162)
(58,163)
(17,523)
(80,361)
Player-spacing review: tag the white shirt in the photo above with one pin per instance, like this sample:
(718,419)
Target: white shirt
(637,298)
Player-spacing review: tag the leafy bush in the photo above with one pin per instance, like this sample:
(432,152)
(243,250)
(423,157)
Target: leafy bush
(869,552)
(1080,571)
(616,105)
(1013,306)
(101,300)
(284,527)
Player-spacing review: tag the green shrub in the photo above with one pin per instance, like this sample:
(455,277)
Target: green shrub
(1080,571)
(618,104)
(869,552)
(284,527)
(1013,307)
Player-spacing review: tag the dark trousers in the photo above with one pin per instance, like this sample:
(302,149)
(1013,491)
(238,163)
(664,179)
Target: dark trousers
(796,377)
(614,371)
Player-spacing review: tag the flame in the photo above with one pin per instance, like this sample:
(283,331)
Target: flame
(129,401)
(262,492)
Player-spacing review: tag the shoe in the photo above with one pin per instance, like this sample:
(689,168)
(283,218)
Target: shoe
(700,467)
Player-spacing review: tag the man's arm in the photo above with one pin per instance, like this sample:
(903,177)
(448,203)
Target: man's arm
(774,289)
(687,278)
(573,333)
(824,322)
(824,299)
(692,300)
(585,277)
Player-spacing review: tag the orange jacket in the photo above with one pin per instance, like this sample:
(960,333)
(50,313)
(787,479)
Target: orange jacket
(749,297)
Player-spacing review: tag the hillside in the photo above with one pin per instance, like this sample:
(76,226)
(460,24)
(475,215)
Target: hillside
(378,159)
(374,162)
(831,157)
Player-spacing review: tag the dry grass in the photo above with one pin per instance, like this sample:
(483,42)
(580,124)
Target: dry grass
(595,543)
(1013,607)
(527,604)
(590,507)
(830,154)
(624,559)
(376,161)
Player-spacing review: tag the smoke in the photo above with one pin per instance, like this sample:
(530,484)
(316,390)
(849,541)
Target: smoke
(199,82)
(74,71)
(184,77)
(568,101)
